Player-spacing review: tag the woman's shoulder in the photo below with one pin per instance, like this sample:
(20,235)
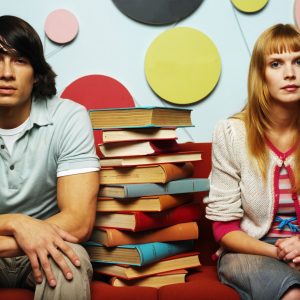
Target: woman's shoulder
(230,126)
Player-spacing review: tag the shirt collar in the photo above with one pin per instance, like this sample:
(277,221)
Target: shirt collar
(39,114)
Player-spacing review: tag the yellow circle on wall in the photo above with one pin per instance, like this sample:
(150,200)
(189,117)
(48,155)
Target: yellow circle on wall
(249,6)
(182,65)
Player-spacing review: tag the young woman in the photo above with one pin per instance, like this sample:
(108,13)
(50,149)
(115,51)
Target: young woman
(255,180)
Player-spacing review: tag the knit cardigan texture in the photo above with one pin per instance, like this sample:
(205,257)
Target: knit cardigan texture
(237,189)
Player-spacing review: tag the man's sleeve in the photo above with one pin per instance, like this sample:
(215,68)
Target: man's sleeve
(76,148)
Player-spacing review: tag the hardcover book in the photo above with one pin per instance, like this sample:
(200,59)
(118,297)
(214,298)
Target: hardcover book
(137,148)
(173,157)
(136,255)
(146,203)
(139,221)
(181,261)
(111,237)
(136,134)
(186,185)
(139,117)
(161,173)
(155,281)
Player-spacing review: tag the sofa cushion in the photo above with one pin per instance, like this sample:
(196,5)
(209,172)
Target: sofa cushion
(200,285)
(102,290)
(16,294)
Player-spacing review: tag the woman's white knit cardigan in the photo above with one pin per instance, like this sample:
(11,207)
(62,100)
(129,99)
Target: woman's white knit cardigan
(237,190)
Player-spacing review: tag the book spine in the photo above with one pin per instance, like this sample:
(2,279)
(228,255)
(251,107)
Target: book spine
(183,231)
(186,185)
(180,214)
(156,251)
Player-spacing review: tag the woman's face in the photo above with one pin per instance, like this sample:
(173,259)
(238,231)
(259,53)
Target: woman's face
(282,76)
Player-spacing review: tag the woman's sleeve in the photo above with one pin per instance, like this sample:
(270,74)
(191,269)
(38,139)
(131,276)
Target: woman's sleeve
(224,200)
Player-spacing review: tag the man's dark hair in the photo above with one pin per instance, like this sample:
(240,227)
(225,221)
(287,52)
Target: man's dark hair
(19,38)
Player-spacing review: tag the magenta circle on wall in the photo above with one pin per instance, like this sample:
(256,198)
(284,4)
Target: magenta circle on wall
(61,26)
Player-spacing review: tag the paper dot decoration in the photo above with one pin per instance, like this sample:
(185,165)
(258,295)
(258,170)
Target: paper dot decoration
(61,26)
(297,12)
(249,6)
(98,91)
(182,65)
(157,12)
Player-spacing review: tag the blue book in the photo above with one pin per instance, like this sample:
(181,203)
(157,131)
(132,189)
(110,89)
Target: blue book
(136,255)
(145,116)
(186,185)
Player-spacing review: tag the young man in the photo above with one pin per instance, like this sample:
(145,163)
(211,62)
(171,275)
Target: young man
(48,173)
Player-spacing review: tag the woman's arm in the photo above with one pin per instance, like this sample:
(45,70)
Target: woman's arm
(241,242)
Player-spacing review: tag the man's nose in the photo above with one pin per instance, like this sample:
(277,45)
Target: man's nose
(6,69)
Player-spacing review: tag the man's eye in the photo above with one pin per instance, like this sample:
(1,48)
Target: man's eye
(21,60)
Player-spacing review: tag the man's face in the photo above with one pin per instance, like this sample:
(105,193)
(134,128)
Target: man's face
(16,80)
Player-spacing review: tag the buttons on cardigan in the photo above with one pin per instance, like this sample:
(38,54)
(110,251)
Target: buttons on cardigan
(2,146)
(12,167)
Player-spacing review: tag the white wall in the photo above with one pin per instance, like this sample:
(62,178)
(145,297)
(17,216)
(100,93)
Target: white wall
(109,43)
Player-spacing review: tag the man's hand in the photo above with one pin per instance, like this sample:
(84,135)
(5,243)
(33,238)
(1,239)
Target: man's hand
(288,249)
(40,240)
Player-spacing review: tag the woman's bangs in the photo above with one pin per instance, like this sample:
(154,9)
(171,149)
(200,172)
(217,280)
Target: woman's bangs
(283,44)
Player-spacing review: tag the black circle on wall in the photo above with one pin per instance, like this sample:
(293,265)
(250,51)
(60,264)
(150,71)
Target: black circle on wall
(157,12)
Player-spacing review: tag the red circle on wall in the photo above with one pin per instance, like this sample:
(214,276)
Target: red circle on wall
(98,91)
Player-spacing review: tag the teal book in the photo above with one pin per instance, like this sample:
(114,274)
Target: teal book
(140,117)
(186,185)
(136,255)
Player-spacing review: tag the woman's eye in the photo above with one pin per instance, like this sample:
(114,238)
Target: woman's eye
(275,64)
(298,61)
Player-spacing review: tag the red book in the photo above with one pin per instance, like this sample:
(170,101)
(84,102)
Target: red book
(139,221)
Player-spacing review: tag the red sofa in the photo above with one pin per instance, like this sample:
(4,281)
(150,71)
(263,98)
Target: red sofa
(201,284)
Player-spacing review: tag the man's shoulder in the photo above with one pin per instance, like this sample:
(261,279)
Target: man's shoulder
(61,110)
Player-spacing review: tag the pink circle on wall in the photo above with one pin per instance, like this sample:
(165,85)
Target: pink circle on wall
(61,26)
(297,13)
(98,91)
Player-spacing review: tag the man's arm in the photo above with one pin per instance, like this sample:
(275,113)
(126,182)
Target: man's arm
(76,196)
(40,239)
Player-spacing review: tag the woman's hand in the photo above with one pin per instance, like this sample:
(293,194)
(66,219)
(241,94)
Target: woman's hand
(288,249)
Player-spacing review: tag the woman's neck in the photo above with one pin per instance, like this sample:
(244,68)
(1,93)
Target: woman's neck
(283,130)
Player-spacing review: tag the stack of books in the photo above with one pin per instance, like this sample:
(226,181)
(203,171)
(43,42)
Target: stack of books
(146,219)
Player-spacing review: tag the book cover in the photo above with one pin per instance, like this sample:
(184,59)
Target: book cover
(160,173)
(156,281)
(173,157)
(139,221)
(146,203)
(111,237)
(138,254)
(137,148)
(136,134)
(186,185)
(182,261)
(140,116)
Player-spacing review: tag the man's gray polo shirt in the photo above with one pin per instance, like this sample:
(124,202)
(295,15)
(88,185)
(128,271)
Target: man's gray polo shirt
(59,138)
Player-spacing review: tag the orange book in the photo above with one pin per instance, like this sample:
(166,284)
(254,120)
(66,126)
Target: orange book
(146,203)
(158,173)
(112,237)
(181,261)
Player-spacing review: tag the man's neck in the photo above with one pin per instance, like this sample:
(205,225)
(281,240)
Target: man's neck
(12,117)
